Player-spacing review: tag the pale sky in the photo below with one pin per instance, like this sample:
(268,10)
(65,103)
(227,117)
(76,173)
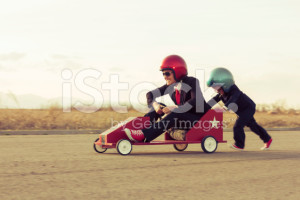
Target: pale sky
(258,41)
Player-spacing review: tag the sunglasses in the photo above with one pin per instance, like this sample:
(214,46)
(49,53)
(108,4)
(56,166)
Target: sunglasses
(166,74)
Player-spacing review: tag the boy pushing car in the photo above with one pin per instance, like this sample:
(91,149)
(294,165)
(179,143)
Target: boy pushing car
(235,100)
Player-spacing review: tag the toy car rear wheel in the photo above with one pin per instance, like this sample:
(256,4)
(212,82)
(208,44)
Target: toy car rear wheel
(124,147)
(209,144)
(98,148)
(180,147)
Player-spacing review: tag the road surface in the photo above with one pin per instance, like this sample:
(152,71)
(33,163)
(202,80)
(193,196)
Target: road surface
(66,167)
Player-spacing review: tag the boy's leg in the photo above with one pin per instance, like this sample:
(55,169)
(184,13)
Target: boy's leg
(238,129)
(169,121)
(153,116)
(260,131)
(239,133)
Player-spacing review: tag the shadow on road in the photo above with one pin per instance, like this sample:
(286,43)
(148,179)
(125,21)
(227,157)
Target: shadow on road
(245,155)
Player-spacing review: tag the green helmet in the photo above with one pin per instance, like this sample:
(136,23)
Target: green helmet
(221,77)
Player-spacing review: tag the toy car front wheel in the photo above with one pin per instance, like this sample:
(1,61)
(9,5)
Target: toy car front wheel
(124,147)
(180,147)
(98,148)
(209,144)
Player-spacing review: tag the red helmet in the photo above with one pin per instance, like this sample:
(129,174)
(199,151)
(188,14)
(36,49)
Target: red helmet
(176,64)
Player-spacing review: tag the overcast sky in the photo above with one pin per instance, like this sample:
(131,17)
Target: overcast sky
(259,41)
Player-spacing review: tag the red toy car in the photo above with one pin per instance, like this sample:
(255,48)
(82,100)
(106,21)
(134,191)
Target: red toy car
(208,131)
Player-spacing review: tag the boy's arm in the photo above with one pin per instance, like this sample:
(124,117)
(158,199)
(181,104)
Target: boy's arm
(195,90)
(233,98)
(197,100)
(213,101)
(152,95)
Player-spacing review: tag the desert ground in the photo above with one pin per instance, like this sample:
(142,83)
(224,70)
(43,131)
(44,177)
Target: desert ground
(67,167)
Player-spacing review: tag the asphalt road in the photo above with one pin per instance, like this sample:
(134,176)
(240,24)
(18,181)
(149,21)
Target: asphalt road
(66,167)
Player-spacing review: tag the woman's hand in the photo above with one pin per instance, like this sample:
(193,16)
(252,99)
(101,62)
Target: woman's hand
(169,109)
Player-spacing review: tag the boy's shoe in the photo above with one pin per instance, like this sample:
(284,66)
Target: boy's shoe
(135,135)
(267,145)
(233,146)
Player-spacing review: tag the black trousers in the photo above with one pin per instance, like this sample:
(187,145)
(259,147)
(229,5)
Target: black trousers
(246,118)
(178,120)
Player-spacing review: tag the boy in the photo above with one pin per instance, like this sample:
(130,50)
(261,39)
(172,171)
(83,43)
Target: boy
(234,99)
(185,92)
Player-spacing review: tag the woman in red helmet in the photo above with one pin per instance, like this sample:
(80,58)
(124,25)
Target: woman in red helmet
(185,92)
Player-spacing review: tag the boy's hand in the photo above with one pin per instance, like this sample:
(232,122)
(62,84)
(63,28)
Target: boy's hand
(157,108)
(224,108)
(169,109)
(221,109)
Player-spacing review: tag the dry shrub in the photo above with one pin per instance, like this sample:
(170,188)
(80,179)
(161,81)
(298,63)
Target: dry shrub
(55,118)
(278,107)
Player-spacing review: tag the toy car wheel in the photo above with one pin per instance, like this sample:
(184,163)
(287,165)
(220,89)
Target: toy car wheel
(98,148)
(209,144)
(180,147)
(124,147)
